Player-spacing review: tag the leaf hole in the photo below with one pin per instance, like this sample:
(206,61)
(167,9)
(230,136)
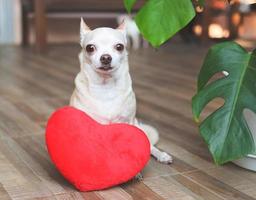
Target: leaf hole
(211,107)
(250,118)
(217,76)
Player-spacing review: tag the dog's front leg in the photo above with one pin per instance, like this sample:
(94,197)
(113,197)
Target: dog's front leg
(139,177)
(161,156)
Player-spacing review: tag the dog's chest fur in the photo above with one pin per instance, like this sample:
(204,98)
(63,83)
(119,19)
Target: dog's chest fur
(106,103)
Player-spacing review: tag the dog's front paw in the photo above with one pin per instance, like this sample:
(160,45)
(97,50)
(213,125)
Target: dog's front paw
(139,177)
(165,158)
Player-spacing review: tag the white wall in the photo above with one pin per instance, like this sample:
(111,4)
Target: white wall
(10,22)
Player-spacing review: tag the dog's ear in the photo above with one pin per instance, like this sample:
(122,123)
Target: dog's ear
(84,29)
(122,27)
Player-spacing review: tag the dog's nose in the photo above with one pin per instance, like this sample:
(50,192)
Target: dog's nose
(105,59)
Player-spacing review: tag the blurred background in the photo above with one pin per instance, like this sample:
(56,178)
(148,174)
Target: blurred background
(44,22)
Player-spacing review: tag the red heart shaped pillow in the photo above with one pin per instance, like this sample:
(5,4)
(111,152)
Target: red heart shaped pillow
(94,156)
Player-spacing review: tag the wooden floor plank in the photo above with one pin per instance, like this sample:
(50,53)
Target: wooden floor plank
(3,193)
(138,190)
(116,193)
(201,191)
(91,196)
(167,188)
(234,180)
(213,184)
(154,169)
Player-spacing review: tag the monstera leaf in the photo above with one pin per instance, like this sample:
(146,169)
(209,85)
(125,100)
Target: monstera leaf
(225,130)
(128,4)
(159,20)
(201,3)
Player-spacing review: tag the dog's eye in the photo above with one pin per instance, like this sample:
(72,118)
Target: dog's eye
(119,47)
(90,48)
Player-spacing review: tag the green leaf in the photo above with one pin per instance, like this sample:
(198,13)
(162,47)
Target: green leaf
(158,20)
(225,130)
(129,4)
(201,3)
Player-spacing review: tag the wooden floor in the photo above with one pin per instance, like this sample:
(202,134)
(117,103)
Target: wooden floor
(32,86)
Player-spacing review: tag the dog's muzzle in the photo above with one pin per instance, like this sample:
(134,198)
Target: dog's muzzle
(106,68)
(105,59)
